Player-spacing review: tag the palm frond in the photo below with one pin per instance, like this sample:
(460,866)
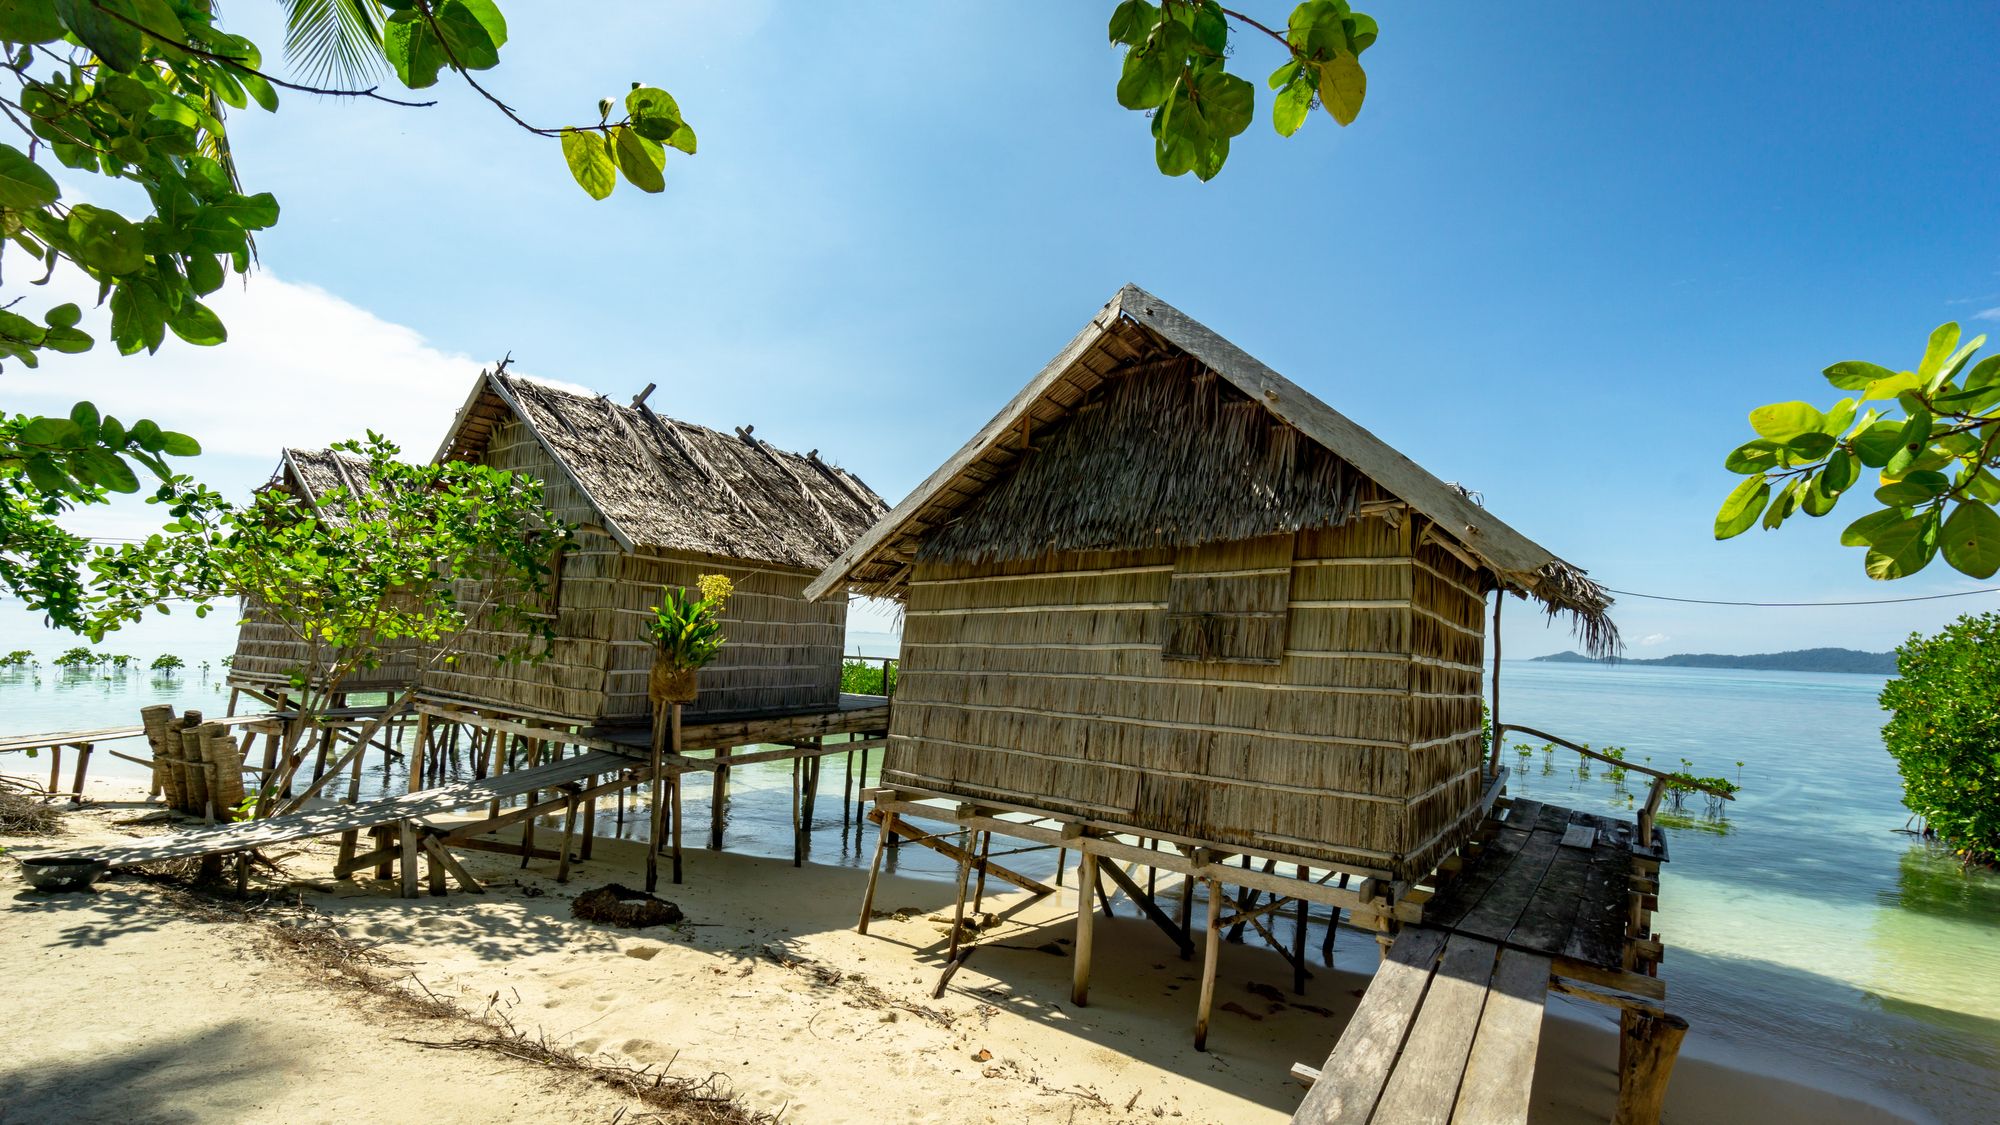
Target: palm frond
(334,41)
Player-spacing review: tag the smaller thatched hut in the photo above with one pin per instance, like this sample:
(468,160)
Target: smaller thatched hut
(268,656)
(657,502)
(1168,592)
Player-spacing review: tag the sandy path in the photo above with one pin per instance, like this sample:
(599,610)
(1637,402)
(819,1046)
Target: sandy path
(766,986)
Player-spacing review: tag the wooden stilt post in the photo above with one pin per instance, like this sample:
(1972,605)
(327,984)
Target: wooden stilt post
(417,754)
(569,832)
(55,769)
(1648,1046)
(434,870)
(1299,939)
(654,825)
(798,833)
(589,821)
(83,750)
(385,868)
(1086,916)
(1062,860)
(1211,955)
(1332,929)
(409,831)
(717,796)
(985,849)
(958,908)
(532,757)
(674,719)
(874,872)
(847,789)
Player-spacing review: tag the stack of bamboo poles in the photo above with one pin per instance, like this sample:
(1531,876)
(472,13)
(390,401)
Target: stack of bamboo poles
(197,766)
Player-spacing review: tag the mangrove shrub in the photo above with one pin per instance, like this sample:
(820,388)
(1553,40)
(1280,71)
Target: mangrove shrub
(1945,733)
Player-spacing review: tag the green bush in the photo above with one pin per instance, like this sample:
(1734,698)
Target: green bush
(167,662)
(859,677)
(1945,733)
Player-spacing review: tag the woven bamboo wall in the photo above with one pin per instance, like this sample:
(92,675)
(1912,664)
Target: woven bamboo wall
(568,682)
(1043,683)
(267,655)
(783,652)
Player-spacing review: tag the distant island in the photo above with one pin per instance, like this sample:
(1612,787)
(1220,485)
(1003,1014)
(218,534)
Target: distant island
(1799,660)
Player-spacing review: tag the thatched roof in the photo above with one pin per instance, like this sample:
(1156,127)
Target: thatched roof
(313,475)
(1234,450)
(669,485)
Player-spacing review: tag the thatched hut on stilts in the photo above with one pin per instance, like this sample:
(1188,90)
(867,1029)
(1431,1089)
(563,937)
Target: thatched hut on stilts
(1168,609)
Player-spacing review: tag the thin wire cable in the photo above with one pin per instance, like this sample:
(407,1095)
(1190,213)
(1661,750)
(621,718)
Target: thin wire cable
(1803,605)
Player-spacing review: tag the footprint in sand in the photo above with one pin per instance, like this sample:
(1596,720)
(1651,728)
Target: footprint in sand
(641,1049)
(589,1046)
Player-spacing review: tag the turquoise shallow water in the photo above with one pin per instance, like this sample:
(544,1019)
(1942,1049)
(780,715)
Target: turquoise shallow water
(1806,934)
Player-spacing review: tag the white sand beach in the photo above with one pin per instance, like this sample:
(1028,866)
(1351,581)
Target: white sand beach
(127,1010)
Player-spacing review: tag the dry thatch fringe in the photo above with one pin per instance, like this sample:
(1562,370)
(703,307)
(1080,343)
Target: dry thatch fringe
(689,1101)
(1164,454)
(25,815)
(1563,588)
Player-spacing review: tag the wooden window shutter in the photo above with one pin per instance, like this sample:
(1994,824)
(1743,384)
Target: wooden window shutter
(1229,603)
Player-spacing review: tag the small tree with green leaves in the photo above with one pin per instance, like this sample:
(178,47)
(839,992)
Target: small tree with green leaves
(1945,733)
(414,557)
(168,663)
(1932,438)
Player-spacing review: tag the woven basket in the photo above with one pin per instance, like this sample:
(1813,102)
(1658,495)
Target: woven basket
(668,684)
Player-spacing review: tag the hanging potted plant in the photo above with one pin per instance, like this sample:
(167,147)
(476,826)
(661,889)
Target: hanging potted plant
(687,635)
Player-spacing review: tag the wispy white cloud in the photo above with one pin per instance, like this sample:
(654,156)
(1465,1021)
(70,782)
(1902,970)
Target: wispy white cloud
(301,367)
(1987,314)
(1651,639)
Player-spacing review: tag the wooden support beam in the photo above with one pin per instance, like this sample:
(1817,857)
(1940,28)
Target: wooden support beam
(905,830)
(1149,908)
(874,872)
(442,855)
(408,830)
(1648,1047)
(1086,916)
(1211,957)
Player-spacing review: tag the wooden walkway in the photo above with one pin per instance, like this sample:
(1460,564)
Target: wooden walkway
(222,839)
(1449,1028)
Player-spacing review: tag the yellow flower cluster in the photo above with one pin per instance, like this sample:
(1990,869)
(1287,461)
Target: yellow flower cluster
(716,587)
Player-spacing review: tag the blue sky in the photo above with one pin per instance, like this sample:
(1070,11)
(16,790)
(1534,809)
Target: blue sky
(1562,253)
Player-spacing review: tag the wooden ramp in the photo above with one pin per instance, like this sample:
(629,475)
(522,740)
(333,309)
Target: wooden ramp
(225,838)
(1447,1032)
(1548,898)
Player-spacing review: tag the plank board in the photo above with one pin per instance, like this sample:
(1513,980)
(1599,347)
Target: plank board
(1358,1068)
(1500,908)
(1499,1075)
(1579,836)
(1597,936)
(341,818)
(1462,894)
(1424,1085)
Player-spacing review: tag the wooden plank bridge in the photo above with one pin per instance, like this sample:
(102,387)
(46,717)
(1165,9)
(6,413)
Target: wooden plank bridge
(1550,899)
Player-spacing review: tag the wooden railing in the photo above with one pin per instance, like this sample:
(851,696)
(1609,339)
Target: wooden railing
(1662,779)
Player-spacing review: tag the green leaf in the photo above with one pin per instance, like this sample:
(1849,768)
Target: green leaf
(1842,470)
(1144,82)
(1944,339)
(1949,370)
(1227,102)
(1786,502)
(1863,531)
(654,113)
(466,39)
(110,470)
(1879,442)
(1812,447)
(65,315)
(1911,442)
(1742,507)
(1132,21)
(413,49)
(1211,30)
(1342,87)
(1816,500)
(105,240)
(1916,488)
(197,324)
(1984,373)
(1971,539)
(49,432)
(178,445)
(1903,548)
(1783,421)
(24,186)
(29,21)
(1753,457)
(1855,374)
(640,160)
(1894,386)
(96,23)
(590,161)
(85,416)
